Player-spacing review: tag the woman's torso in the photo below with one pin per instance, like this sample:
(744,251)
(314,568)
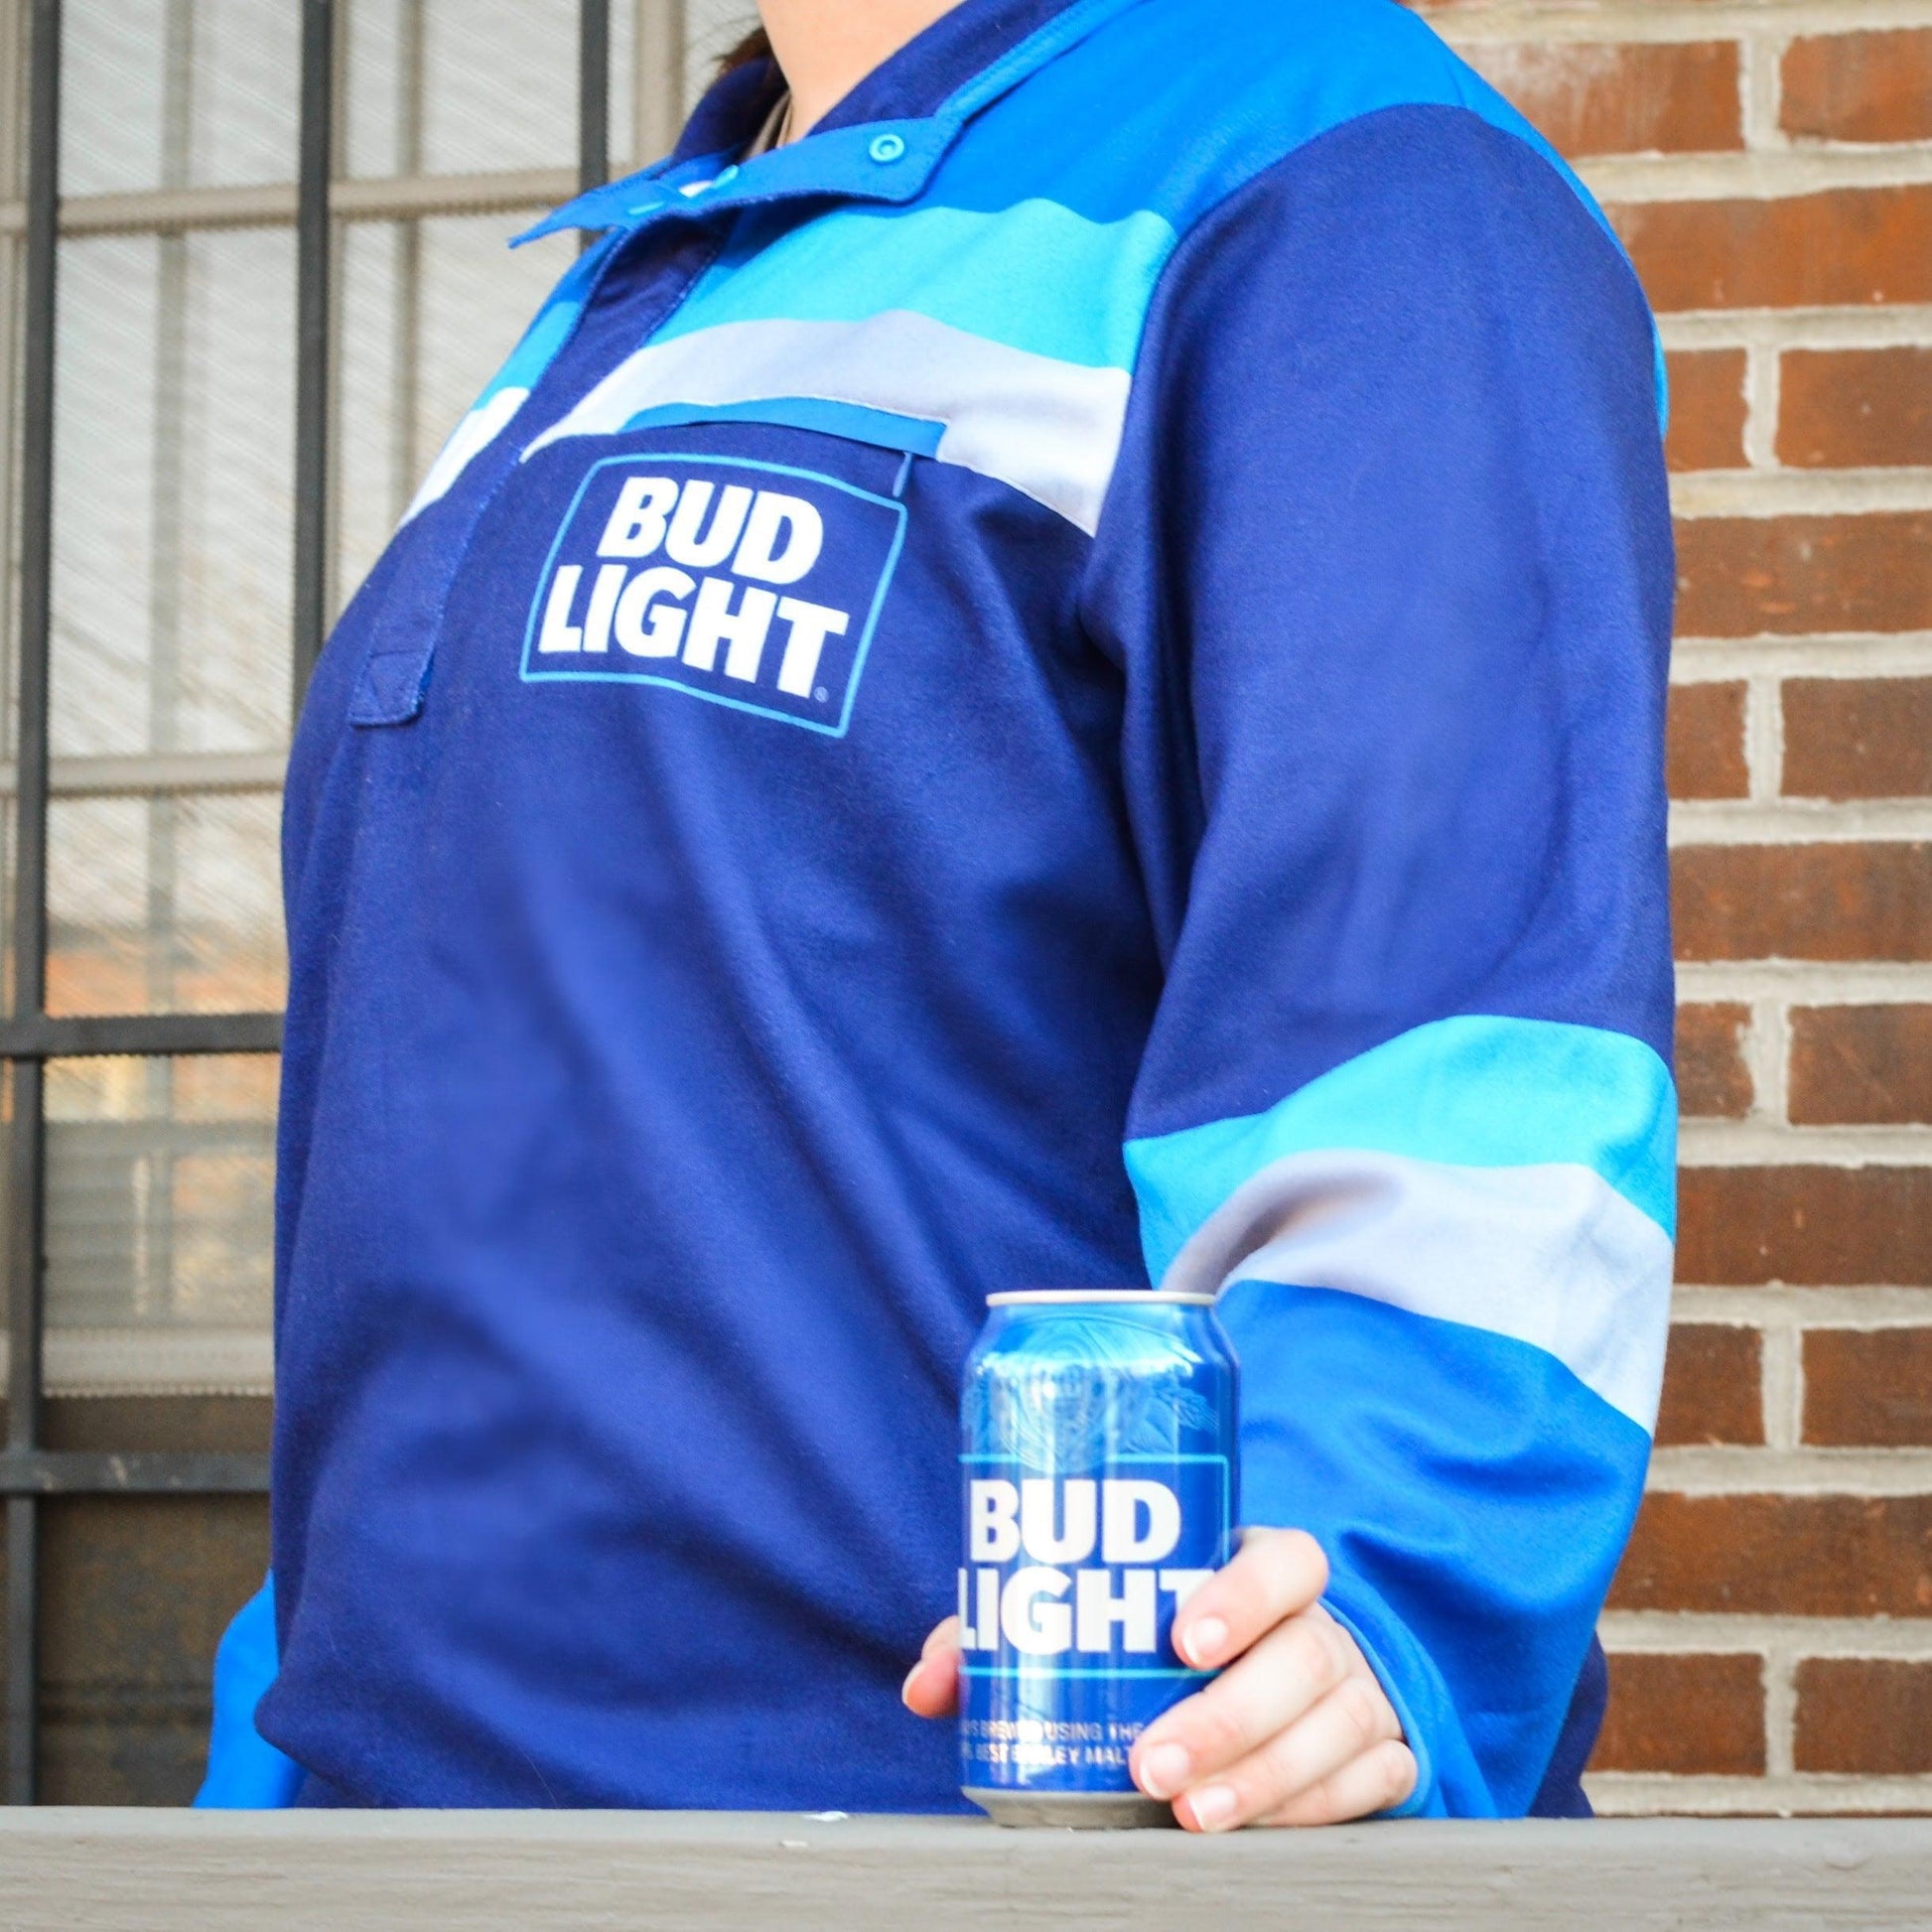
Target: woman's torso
(701,1002)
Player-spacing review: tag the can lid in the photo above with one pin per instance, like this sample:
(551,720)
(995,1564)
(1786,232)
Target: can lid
(1034,1298)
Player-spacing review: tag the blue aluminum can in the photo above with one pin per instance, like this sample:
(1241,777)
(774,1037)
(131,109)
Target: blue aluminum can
(1099,1479)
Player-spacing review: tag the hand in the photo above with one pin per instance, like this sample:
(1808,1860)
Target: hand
(1295,1730)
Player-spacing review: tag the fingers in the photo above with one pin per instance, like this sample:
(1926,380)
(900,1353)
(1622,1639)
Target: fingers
(1377,1781)
(931,1688)
(1339,1760)
(1290,1670)
(1274,1574)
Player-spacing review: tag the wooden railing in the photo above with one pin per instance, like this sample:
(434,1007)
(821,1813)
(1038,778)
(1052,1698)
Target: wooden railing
(75,1870)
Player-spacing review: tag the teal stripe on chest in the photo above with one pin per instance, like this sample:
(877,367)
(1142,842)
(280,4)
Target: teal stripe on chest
(1035,277)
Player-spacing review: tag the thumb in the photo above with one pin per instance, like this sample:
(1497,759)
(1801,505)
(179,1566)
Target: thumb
(931,1688)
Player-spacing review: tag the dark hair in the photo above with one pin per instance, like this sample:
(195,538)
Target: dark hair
(756,46)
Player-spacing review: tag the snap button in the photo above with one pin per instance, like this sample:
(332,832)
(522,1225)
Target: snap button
(886,148)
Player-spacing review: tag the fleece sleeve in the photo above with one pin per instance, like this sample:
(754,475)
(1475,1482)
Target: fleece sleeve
(1386,566)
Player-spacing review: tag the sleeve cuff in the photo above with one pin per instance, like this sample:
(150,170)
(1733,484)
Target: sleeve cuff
(1394,1656)
(245,1772)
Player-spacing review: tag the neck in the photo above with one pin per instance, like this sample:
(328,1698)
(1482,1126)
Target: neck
(827,47)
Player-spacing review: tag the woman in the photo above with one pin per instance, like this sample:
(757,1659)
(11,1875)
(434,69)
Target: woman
(1062,576)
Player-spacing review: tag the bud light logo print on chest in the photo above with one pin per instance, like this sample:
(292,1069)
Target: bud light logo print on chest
(747,584)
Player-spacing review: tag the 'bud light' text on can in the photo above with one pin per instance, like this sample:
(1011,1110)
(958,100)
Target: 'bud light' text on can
(1099,1481)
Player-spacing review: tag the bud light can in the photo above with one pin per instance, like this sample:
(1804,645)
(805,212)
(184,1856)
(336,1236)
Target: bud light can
(1099,1481)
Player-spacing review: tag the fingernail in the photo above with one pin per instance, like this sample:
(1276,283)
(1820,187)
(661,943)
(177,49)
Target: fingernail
(1164,1770)
(1202,1642)
(905,1689)
(1213,1806)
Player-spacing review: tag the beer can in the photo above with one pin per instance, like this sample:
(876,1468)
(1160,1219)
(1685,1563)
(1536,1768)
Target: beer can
(1099,1483)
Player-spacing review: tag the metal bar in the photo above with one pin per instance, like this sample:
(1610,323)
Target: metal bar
(154,1193)
(313,247)
(106,1473)
(13,161)
(406,463)
(92,1145)
(158,1359)
(592,93)
(140,775)
(37,511)
(26,1255)
(273,204)
(658,78)
(22,1647)
(402,196)
(33,1037)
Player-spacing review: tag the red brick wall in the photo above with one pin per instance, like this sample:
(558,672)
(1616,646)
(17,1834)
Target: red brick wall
(1770,167)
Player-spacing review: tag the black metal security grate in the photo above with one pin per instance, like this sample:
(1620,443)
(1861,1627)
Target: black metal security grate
(30,1035)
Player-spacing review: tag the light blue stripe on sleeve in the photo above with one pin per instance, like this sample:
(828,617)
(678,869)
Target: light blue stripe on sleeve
(1511,1176)
(1035,276)
(1470,1092)
(1549,1255)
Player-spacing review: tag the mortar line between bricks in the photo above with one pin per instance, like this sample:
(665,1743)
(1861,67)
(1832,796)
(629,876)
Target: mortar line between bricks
(1774,491)
(1644,1794)
(1801,821)
(1805,1308)
(1881,326)
(1699,1633)
(1780,1710)
(1791,1428)
(1771,1144)
(1702,661)
(1765,738)
(1728,1472)
(1667,23)
(1778,174)
(1805,983)
(1780,1392)
(1760,82)
(1763,382)
(1767,1056)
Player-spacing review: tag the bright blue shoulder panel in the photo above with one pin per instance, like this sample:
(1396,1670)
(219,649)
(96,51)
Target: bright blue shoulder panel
(1473,1091)
(1049,224)
(1270,76)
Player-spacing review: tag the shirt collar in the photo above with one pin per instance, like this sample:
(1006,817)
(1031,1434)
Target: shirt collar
(881,143)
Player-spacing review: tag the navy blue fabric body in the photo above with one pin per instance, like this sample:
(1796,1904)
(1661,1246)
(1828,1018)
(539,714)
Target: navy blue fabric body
(665,1086)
